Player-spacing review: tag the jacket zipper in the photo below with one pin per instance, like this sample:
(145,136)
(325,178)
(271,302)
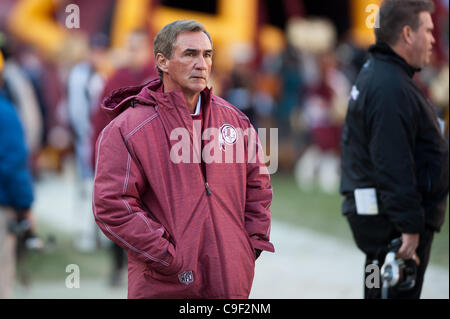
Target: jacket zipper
(203,170)
(202,164)
(208,191)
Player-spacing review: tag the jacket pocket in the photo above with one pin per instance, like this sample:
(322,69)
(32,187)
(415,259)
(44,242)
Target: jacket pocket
(252,250)
(172,268)
(371,233)
(427,177)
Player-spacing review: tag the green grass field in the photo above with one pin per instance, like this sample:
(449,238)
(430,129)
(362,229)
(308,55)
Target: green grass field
(322,212)
(51,265)
(315,210)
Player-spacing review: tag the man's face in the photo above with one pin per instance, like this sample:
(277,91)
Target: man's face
(138,50)
(190,65)
(423,40)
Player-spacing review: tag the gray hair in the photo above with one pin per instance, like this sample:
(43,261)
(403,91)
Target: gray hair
(396,14)
(167,36)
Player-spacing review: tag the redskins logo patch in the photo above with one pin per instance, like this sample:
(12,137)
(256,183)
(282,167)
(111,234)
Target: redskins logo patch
(228,135)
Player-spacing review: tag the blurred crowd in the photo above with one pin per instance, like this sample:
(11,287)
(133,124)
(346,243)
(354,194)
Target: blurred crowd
(297,80)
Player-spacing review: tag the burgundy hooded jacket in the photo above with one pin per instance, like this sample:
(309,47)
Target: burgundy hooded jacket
(190,229)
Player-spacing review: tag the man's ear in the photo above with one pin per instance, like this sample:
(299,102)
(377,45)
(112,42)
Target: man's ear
(408,34)
(162,62)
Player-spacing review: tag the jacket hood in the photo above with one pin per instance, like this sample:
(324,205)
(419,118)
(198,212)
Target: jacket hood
(119,100)
(150,94)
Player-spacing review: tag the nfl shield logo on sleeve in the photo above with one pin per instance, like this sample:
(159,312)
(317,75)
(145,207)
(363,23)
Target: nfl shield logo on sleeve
(186,277)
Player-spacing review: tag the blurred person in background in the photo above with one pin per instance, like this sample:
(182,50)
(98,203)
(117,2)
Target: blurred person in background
(48,27)
(138,68)
(394,155)
(45,59)
(351,57)
(263,101)
(35,70)
(287,67)
(84,86)
(19,89)
(290,73)
(56,48)
(16,189)
(323,110)
(191,230)
(439,91)
(240,88)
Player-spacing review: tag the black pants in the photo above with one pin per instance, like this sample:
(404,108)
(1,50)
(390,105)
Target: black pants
(119,257)
(372,234)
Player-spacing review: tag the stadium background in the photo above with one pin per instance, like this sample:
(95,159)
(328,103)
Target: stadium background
(287,64)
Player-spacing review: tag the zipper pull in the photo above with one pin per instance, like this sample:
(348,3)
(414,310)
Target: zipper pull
(208,191)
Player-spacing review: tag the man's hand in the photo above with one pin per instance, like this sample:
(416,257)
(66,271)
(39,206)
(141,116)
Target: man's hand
(410,242)
(28,216)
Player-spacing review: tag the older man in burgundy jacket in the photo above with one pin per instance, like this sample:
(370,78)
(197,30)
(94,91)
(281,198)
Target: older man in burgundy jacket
(192,225)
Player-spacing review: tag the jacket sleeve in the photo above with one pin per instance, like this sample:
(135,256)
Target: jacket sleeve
(15,177)
(118,210)
(392,129)
(259,196)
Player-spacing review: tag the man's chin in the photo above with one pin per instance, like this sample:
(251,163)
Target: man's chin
(428,59)
(424,64)
(420,65)
(197,88)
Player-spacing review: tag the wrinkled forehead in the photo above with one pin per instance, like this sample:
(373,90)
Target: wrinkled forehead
(197,40)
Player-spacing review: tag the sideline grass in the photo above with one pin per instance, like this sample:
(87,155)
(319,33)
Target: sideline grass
(322,213)
(52,265)
(315,210)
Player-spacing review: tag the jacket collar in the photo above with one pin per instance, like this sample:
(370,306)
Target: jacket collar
(150,94)
(155,90)
(384,51)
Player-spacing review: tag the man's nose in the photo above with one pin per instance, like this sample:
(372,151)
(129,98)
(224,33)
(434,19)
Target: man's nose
(200,63)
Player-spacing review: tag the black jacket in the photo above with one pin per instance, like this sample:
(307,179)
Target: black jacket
(392,141)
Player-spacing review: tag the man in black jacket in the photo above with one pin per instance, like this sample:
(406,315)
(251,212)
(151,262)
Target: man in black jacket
(394,156)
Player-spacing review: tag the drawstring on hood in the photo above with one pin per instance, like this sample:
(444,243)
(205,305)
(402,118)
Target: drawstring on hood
(119,100)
